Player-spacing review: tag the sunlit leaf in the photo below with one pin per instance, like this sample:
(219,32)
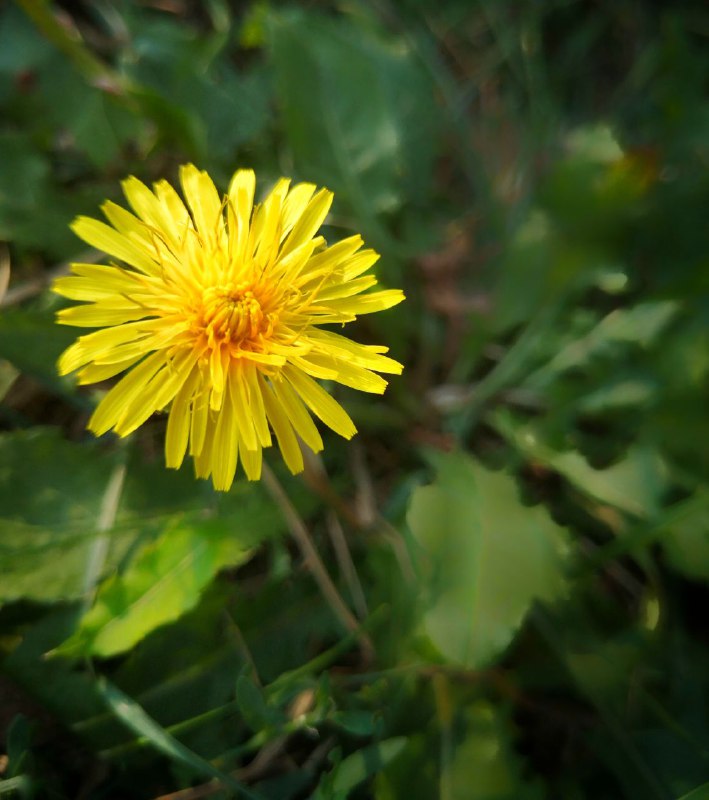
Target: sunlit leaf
(485,765)
(635,484)
(485,556)
(163,581)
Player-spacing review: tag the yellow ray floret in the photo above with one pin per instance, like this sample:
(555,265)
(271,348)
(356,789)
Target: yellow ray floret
(214,311)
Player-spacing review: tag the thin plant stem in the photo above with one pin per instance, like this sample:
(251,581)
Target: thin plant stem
(346,563)
(106,518)
(314,563)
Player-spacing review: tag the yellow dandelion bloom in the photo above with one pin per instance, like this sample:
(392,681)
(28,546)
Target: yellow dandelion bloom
(216,314)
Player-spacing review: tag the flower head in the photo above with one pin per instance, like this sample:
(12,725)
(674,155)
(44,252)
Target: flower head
(216,314)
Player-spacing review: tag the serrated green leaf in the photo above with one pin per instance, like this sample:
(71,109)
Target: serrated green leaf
(640,326)
(164,581)
(635,484)
(486,558)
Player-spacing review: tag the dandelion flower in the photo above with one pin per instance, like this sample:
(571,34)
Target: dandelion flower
(215,312)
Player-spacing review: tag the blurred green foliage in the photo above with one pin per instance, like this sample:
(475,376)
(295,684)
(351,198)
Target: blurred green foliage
(522,524)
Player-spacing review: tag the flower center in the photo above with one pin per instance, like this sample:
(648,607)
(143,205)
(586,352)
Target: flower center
(232,314)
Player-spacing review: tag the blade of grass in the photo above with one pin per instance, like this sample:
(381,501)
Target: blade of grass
(135,718)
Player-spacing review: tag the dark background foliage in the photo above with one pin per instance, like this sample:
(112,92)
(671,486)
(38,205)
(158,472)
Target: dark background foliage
(522,524)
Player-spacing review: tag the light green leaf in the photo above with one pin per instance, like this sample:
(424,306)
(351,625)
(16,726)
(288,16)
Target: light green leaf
(635,484)
(164,581)
(486,557)
(484,765)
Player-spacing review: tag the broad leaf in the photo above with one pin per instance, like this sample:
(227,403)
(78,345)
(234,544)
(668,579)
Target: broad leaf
(635,484)
(686,541)
(51,492)
(164,581)
(486,558)
(362,764)
(485,765)
(358,110)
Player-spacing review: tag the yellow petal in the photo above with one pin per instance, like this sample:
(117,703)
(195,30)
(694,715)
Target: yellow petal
(103,237)
(309,222)
(270,233)
(111,408)
(204,202)
(258,411)
(93,373)
(297,414)
(157,394)
(176,215)
(367,303)
(225,448)
(240,206)
(368,356)
(199,420)
(252,461)
(287,441)
(359,263)
(178,423)
(295,204)
(238,392)
(95,315)
(203,460)
(151,210)
(336,291)
(320,402)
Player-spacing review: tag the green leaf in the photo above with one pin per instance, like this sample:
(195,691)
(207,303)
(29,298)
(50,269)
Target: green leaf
(635,484)
(357,109)
(21,786)
(133,715)
(19,742)
(32,341)
(51,492)
(164,580)
(700,793)
(359,766)
(686,541)
(485,765)
(486,558)
(252,704)
(640,326)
